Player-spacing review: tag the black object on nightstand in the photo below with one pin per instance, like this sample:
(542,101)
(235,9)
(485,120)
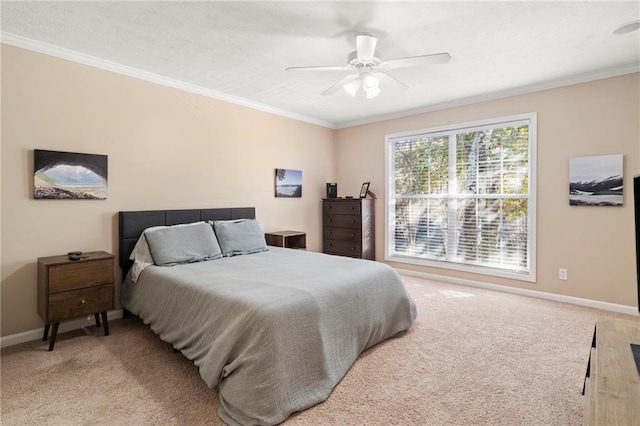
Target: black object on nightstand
(69,289)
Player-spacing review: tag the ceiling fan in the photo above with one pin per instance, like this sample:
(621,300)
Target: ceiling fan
(367,67)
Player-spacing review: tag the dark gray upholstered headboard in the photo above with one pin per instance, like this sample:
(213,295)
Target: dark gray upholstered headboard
(134,222)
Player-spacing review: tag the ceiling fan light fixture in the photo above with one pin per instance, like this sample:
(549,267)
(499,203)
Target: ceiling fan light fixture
(352,87)
(372,93)
(369,81)
(370,84)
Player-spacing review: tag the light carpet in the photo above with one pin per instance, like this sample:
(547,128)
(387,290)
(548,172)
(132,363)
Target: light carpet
(473,357)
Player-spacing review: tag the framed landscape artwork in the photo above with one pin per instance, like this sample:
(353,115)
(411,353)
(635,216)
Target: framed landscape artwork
(288,183)
(69,175)
(596,180)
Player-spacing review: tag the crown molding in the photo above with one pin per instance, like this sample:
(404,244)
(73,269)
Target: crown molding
(70,55)
(490,96)
(92,61)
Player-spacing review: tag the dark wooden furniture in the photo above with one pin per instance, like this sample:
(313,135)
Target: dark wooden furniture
(348,227)
(612,385)
(287,239)
(69,289)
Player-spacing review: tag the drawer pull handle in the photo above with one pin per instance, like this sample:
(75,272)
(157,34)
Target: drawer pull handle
(352,235)
(82,302)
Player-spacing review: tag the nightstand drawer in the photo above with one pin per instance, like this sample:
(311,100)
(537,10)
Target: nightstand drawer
(73,304)
(79,275)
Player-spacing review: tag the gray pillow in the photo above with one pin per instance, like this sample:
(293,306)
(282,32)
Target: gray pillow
(244,236)
(174,245)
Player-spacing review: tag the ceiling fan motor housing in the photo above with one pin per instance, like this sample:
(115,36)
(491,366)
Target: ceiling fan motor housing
(358,64)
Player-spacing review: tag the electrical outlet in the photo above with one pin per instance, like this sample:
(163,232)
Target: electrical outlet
(562,274)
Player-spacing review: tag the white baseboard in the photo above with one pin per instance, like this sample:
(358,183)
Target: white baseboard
(623,309)
(30,335)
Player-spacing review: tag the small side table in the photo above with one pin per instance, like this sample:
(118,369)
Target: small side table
(287,239)
(70,289)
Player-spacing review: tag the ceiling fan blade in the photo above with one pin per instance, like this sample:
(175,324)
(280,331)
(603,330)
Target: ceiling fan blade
(385,75)
(417,61)
(348,79)
(320,68)
(366,47)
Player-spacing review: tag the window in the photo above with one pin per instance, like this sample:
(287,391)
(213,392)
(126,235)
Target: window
(463,197)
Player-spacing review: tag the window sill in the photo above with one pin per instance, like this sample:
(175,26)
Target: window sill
(530,277)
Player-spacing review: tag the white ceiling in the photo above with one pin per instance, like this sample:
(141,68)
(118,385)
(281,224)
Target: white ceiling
(238,51)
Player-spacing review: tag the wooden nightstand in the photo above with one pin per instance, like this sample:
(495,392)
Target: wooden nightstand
(287,239)
(70,289)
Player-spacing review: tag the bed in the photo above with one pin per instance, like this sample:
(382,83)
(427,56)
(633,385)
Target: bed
(275,331)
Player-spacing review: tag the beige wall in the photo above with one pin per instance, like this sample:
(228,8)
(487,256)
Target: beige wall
(172,149)
(595,244)
(166,149)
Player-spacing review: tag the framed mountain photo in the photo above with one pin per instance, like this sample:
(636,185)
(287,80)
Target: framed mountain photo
(596,180)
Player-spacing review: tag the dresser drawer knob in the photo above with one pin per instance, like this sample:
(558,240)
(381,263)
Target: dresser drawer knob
(82,302)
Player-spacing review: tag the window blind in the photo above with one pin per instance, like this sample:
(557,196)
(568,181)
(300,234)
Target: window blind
(462,196)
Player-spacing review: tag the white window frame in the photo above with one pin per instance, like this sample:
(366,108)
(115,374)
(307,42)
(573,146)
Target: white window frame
(531,120)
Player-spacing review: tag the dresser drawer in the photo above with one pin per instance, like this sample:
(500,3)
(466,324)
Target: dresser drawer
(77,303)
(342,221)
(79,275)
(342,207)
(344,248)
(342,234)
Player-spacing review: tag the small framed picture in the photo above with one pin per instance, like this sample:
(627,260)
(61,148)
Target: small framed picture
(364,190)
(288,183)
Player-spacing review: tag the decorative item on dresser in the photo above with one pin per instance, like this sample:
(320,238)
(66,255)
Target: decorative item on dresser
(69,288)
(287,239)
(348,227)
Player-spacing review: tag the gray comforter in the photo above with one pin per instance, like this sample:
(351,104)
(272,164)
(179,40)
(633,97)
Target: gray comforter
(275,331)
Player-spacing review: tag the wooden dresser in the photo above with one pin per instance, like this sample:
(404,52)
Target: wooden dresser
(70,289)
(348,227)
(612,385)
